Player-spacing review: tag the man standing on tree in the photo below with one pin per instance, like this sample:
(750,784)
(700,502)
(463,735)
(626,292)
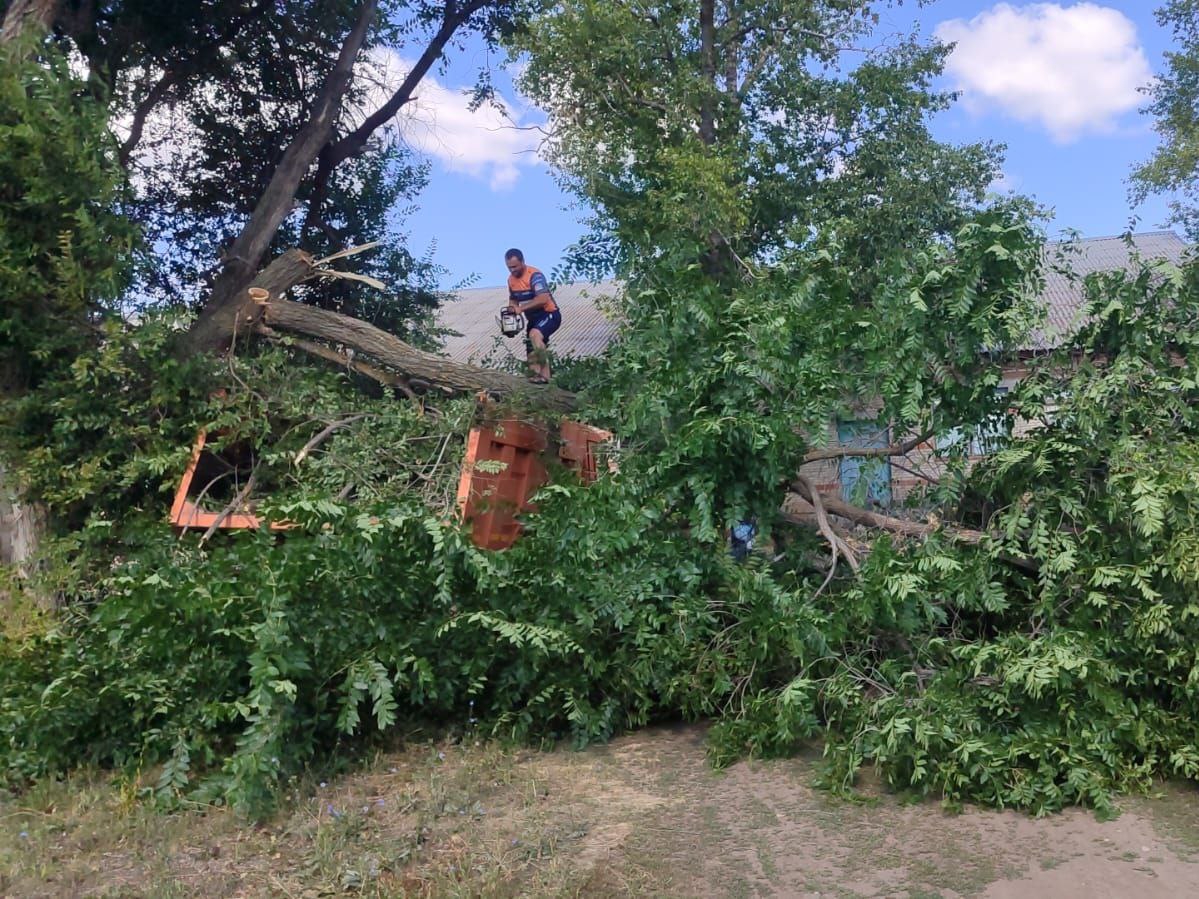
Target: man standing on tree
(529,293)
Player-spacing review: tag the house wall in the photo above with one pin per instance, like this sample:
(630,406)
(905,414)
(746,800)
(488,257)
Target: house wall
(922,466)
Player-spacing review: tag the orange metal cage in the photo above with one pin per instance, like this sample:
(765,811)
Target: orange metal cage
(185,513)
(491,497)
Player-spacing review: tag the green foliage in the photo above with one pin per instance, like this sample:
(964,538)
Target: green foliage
(746,136)
(216,90)
(1056,662)
(1050,664)
(64,247)
(776,350)
(1174,105)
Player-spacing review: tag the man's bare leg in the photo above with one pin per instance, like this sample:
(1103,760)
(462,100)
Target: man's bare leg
(539,360)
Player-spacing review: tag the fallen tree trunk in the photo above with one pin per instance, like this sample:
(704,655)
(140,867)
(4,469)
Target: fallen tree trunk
(414,364)
(831,504)
(344,332)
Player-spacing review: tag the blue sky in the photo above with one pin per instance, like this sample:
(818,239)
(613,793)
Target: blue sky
(1056,82)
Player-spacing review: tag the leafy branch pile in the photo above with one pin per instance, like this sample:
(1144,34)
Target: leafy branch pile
(737,179)
(1047,666)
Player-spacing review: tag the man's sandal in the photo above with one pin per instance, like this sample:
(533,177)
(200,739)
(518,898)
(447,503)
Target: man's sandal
(537,379)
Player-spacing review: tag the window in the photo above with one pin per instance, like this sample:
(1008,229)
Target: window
(984,439)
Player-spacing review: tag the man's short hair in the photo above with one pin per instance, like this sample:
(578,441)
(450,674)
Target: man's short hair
(515,254)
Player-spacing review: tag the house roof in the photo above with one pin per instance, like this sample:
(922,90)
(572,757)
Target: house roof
(1064,295)
(588,321)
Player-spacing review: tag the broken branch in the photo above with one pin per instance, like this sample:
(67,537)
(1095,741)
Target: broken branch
(364,338)
(843,452)
(812,495)
(324,435)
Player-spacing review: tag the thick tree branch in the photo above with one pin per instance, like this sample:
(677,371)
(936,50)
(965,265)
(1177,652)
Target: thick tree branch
(804,488)
(334,153)
(845,452)
(149,102)
(389,350)
(273,315)
(34,16)
(247,251)
(838,544)
(215,328)
(707,52)
(384,377)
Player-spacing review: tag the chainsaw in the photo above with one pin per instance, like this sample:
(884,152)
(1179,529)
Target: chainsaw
(511,321)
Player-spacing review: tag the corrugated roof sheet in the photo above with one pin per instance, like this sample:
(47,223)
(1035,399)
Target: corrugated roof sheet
(588,323)
(1064,296)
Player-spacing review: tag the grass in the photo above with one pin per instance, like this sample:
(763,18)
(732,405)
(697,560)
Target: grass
(432,820)
(643,816)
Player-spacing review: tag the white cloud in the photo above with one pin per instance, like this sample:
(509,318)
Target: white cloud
(488,143)
(1071,69)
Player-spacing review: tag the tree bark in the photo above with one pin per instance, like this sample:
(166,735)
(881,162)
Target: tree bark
(27,15)
(336,152)
(216,328)
(246,253)
(278,315)
(453,377)
(804,489)
(22,525)
(843,452)
(707,53)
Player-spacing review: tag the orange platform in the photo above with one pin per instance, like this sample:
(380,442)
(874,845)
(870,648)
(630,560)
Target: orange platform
(186,513)
(490,501)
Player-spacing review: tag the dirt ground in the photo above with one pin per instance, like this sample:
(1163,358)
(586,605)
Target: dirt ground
(644,816)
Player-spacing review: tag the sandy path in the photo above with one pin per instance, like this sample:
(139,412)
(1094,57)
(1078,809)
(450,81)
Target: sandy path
(760,829)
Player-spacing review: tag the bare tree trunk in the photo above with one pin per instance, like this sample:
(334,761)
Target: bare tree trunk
(454,16)
(27,15)
(22,525)
(414,364)
(245,255)
(707,51)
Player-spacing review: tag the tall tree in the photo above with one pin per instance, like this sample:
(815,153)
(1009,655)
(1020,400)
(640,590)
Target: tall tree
(332,134)
(786,225)
(744,123)
(65,250)
(249,126)
(1174,105)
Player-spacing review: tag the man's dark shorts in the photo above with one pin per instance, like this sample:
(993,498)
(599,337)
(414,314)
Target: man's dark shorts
(545,322)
